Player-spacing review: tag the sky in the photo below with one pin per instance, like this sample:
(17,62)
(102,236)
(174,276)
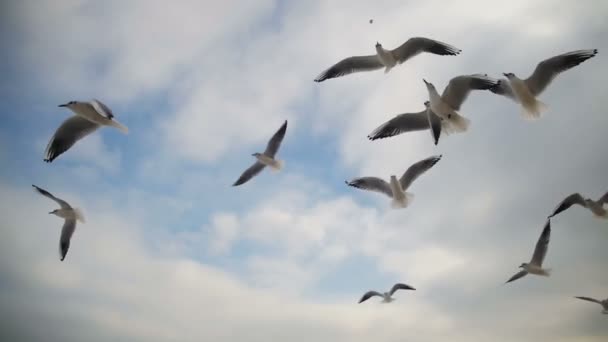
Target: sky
(172,252)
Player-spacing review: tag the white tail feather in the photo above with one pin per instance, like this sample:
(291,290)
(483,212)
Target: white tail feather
(457,123)
(277,166)
(533,110)
(79,215)
(387,69)
(403,202)
(546,272)
(118,125)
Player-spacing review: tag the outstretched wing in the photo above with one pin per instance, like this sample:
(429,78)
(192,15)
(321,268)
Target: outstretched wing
(249,173)
(400,286)
(416,170)
(459,88)
(70,131)
(275,142)
(417,45)
(517,275)
(102,109)
(401,123)
(503,88)
(604,199)
(548,69)
(350,65)
(371,184)
(63,204)
(69,226)
(542,245)
(569,201)
(368,295)
(435,124)
(589,299)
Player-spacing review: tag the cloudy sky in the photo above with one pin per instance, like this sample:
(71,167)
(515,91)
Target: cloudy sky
(172,252)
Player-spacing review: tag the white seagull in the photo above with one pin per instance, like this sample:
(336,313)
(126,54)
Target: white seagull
(448,104)
(387,297)
(596,207)
(535,264)
(603,303)
(396,189)
(71,215)
(409,122)
(88,117)
(526,91)
(265,159)
(387,59)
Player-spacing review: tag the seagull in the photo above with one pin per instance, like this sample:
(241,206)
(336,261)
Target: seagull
(603,303)
(409,122)
(71,215)
(596,207)
(535,265)
(448,104)
(526,91)
(88,117)
(387,59)
(387,297)
(396,189)
(266,158)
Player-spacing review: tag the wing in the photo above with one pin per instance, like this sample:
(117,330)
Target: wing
(503,88)
(517,275)
(69,226)
(589,299)
(350,65)
(416,170)
(540,251)
(546,70)
(400,286)
(459,88)
(603,199)
(63,204)
(249,173)
(275,142)
(417,45)
(102,108)
(371,184)
(70,131)
(401,123)
(368,295)
(569,201)
(435,123)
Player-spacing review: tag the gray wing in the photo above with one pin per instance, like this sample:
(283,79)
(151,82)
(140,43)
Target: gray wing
(249,173)
(603,199)
(350,65)
(400,286)
(416,170)
(70,131)
(435,122)
(275,142)
(63,204)
(589,299)
(459,88)
(540,251)
(417,45)
(371,184)
(102,108)
(517,275)
(548,69)
(569,201)
(407,122)
(368,295)
(69,226)
(503,88)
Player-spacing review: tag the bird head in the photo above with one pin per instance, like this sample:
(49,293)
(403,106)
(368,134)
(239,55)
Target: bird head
(69,104)
(256,154)
(427,104)
(429,85)
(522,265)
(54,212)
(508,75)
(378,45)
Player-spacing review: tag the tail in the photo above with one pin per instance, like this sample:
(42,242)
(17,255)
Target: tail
(118,125)
(546,272)
(533,110)
(79,215)
(457,123)
(387,69)
(403,202)
(278,166)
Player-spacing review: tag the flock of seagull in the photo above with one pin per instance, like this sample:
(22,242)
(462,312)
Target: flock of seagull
(441,114)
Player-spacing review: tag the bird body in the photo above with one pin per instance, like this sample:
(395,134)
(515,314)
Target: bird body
(385,57)
(274,164)
(540,251)
(531,106)
(401,199)
(96,112)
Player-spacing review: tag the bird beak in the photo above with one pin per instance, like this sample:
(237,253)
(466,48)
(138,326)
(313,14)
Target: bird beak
(50,212)
(505,74)
(63,105)
(425,82)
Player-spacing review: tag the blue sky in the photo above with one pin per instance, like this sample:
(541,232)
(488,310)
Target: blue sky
(171,251)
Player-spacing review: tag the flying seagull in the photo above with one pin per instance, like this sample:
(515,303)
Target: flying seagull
(526,91)
(409,122)
(266,158)
(396,189)
(71,215)
(387,297)
(596,207)
(535,265)
(448,104)
(603,303)
(387,59)
(88,117)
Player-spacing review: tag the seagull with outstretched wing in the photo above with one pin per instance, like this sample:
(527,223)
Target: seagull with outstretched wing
(540,251)
(387,297)
(596,207)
